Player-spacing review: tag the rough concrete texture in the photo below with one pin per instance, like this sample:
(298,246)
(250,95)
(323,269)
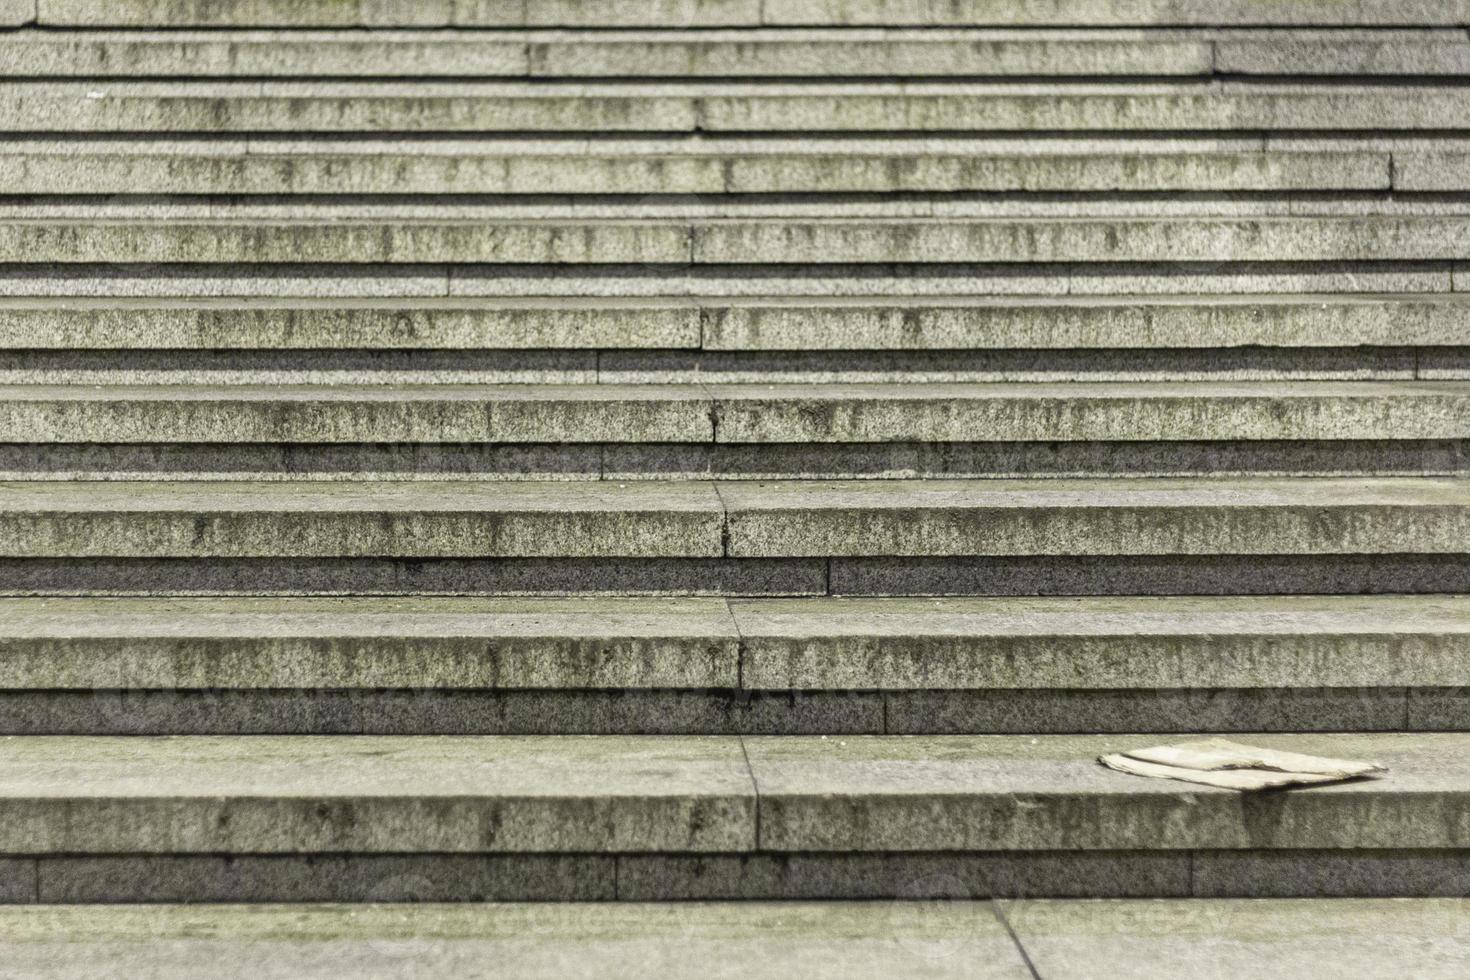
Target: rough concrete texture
(1143,940)
(750,942)
(411,519)
(373,643)
(739,414)
(1049,792)
(1061,517)
(1079,644)
(510,106)
(62,169)
(673,54)
(366,794)
(748,13)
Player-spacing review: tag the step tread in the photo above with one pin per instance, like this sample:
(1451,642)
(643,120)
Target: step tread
(534,941)
(272,794)
(798,644)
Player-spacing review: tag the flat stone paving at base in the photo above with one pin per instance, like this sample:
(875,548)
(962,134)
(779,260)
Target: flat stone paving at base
(1345,939)
(744,941)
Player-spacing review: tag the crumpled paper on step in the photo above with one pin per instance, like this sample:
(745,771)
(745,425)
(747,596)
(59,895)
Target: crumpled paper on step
(1230,765)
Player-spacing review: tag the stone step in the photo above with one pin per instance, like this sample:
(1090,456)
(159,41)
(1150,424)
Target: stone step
(702,168)
(694,53)
(672,54)
(694,519)
(737,13)
(220,818)
(757,324)
(739,241)
(711,666)
(534,941)
(735,414)
(734,107)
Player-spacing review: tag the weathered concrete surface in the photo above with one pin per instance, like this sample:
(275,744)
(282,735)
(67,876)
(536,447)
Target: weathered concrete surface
(371,794)
(349,324)
(1293,53)
(1296,239)
(674,54)
(336,644)
(513,106)
(1128,643)
(934,941)
(749,414)
(1065,517)
(1142,940)
(1040,412)
(57,168)
(1431,171)
(411,519)
(350,242)
(1049,792)
(1038,324)
(773,324)
(746,13)
(354,414)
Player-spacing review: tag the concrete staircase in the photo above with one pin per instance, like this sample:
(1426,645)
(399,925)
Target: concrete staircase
(723,449)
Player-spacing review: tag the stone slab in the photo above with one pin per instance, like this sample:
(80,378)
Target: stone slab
(485,108)
(360,413)
(1298,239)
(1102,644)
(1049,323)
(1431,171)
(1143,940)
(87,169)
(746,941)
(343,242)
(371,794)
(407,519)
(1050,793)
(1065,517)
(1075,412)
(419,643)
(1284,54)
(1120,13)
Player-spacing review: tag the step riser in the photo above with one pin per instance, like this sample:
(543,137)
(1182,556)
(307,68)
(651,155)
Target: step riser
(733,13)
(1202,575)
(623,462)
(798,331)
(646,878)
(515,107)
(143,711)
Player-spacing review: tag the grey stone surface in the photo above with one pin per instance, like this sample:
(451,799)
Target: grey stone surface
(365,413)
(901,875)
(1350,873)
(1058,517)
(1160,575)
(1050,793)
(19,883)
(425,643)
(302,324)
(1120,711)
(342,242)
(317,169)
(1136,240)
(408,577)
(1440,709)
(1284,54)
(1102,644)
(371,794)
(1141,940)
(1118,13)
(315,711)
(399,878)
(723,942)
(1023,323)
(336,519)
(1431,171)
(1064,413)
